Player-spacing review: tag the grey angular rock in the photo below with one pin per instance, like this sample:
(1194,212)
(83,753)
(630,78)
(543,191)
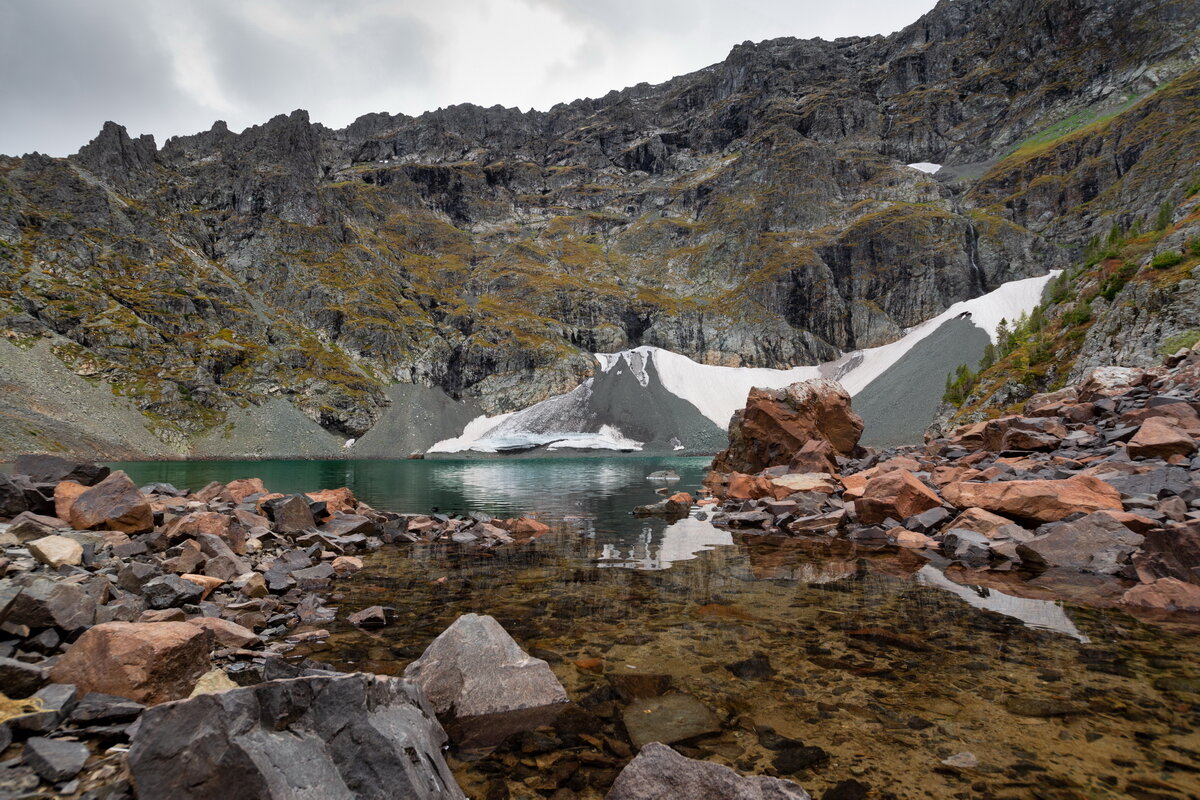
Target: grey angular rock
(170,591)
(18,679)
(1094,543)
(659,772)
(339,737)
(970,547)
(97,708)
(55,701)
(484,685)
(12,498)
(290,514)
(55,760)
(43,602)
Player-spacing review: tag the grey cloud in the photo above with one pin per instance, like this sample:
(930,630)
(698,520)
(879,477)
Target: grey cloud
(66,66)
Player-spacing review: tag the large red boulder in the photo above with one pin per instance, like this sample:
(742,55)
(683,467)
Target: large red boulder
(1164,594)
(897,494)
(150,662)
(777,423)
(114,503)
(336,499)
(1160,438)
(1035,500)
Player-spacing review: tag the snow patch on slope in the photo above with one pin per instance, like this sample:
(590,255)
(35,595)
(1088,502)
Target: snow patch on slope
(926,166)
(719,391)
(1007,302)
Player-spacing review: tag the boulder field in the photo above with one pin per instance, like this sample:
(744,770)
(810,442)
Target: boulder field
(151,621)
(1102,477)
(142,631)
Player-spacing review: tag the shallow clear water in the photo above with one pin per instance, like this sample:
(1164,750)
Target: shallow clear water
(889,663)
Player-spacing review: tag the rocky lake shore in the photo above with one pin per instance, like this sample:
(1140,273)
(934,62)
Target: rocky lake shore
(155,642)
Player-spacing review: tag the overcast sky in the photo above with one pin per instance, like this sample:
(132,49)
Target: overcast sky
(171,67)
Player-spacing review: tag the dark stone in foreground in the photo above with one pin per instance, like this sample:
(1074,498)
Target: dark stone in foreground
(333,738)
(19,679)
(659,772)
(54,759)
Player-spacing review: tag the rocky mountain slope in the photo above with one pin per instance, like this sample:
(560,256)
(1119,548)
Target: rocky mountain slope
(758,212)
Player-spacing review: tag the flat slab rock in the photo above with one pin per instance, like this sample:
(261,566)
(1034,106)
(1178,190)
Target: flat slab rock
(659,772)
(335,737)
(667,719)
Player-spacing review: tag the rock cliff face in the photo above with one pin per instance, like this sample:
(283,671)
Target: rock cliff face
(756,212)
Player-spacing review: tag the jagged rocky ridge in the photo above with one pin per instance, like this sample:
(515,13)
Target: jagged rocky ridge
(757,212)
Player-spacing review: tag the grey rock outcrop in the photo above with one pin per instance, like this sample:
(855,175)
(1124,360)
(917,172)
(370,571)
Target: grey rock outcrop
(659,772)
(345,737)
(483,685)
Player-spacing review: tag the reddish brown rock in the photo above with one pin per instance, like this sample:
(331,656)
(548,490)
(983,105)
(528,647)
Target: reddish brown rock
(206,582)
(1165,594)
(1036,500)
(747,487)
(783,486)
(941,476)
(816,455)
(1159,438)
(980,521)
(523,526)
(854,484)
(1182,415)
(65,495)
(114,503)
(199,522)
(336,500)
(897,495)
(346,565)
(777,423)
(1040,401)
(239,490)
(150,662)
(214,492)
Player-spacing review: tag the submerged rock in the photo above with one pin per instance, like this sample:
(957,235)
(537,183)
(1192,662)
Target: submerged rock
(659,772)
(321,737)
(669,718)
(483,685)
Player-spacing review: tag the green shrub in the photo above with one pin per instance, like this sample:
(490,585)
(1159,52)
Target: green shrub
(1078,315)
(959,385)
(1166,260)
(1116,282)
(1194,247)
(1163,220)
(1193,189)
(1173,344)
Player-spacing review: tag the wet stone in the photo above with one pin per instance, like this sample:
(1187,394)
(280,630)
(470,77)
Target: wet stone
(757,667)
(1042,707)
(667,719)
(792,760)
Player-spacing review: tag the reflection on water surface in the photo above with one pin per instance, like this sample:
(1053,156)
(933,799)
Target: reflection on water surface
(823,661)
